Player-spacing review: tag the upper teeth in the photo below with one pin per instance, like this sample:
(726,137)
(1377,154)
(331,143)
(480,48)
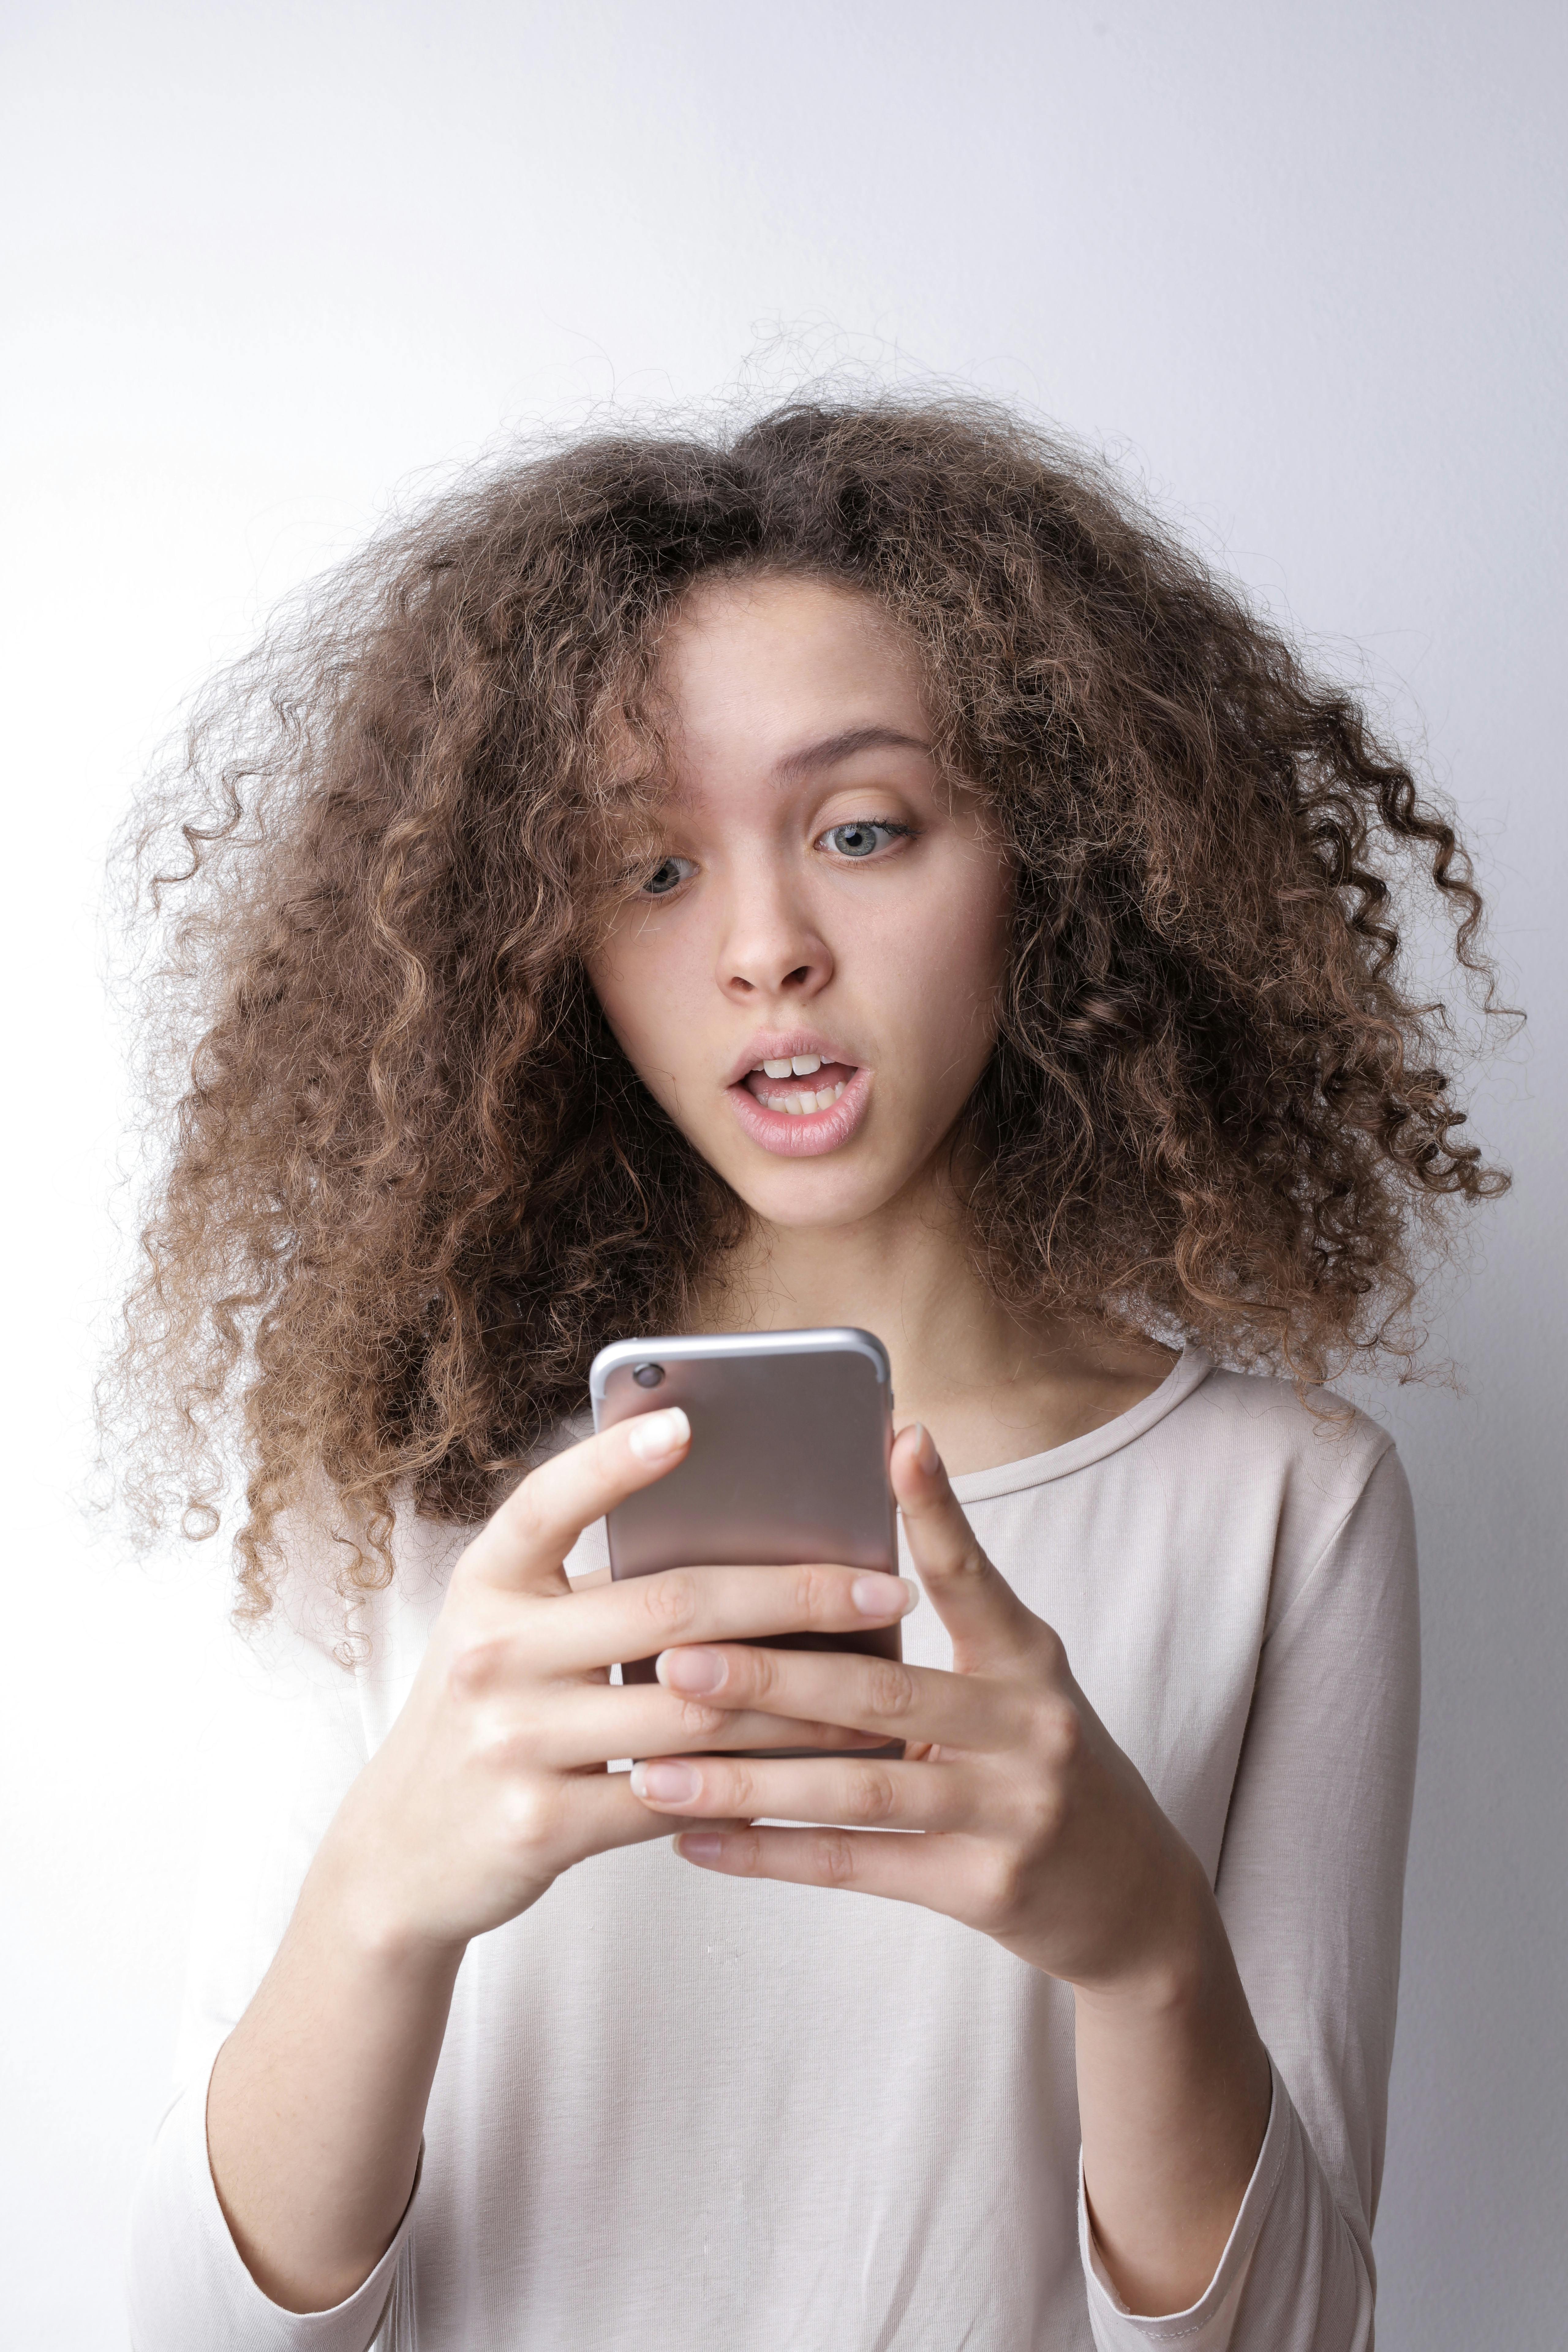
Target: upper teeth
(799,1065)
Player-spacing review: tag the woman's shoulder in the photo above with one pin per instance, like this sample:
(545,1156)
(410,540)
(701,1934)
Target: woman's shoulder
(1282,1420)
(1311,1460)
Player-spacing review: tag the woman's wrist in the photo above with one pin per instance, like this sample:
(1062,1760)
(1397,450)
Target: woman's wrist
(1182,2001)
(357,1911)
(1178,1957)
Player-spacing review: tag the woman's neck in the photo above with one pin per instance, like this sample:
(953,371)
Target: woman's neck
(991,1385)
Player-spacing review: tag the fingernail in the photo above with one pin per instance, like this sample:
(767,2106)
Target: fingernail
(699,1847)
(654,1434)
(926,1453)
(665,1781)
(876,1595)
(692,1670)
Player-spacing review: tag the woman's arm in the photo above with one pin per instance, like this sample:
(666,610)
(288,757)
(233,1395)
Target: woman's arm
(293,1742)
(1208,2199)
(316,2100)
(490,1784)
(1174,2089)
(1310,1899)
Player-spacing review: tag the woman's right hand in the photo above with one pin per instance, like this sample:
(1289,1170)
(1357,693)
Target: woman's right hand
(493,1779)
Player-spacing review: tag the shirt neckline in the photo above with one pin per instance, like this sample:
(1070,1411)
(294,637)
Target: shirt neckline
(1192,1367)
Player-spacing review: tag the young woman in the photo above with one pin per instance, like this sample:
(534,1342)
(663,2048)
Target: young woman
(857,872)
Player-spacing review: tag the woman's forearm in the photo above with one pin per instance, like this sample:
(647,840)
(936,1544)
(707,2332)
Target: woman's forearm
(1173,2092)
(318,2098)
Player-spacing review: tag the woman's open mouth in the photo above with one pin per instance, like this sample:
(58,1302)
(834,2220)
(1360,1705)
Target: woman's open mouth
(801,1105)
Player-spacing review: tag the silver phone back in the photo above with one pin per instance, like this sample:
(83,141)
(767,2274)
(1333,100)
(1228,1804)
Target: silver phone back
(790,1436)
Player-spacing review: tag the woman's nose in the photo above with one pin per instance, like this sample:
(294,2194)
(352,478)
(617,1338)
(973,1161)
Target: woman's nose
(770,946)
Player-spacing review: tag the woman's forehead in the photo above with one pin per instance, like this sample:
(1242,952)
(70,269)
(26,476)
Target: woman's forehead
(784,667)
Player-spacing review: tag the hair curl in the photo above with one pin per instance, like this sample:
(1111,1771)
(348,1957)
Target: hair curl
(412,1184)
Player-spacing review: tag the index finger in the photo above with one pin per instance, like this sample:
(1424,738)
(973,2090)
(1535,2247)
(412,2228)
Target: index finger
(522,1545)
(640,1615)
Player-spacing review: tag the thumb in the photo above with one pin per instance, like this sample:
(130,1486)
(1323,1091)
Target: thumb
(987,1620)
(523,1544)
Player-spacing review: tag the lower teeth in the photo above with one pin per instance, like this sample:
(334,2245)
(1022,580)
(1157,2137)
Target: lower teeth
(803,1106)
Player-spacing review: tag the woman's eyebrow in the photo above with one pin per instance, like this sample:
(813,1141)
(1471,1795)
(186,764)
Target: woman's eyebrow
(833,748)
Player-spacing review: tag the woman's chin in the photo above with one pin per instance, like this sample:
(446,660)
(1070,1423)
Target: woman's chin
(814,1195)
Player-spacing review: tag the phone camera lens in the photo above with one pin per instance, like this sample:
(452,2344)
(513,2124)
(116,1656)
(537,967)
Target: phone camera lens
(647,1376)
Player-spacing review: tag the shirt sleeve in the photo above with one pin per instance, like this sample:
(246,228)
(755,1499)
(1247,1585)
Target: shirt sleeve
(292,1745)
(1310,1886)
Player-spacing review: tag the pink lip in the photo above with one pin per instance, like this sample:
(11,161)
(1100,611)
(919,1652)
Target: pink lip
(807,1137)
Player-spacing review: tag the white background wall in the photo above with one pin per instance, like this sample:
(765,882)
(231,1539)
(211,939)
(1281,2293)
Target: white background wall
(1301,265)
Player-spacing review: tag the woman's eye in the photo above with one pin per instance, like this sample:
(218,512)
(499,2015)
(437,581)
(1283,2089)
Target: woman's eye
(667,878)
(862,836)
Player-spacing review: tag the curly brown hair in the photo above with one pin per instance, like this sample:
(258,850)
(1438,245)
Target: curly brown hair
(411,1184)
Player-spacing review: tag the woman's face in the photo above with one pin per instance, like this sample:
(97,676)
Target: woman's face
(807,981)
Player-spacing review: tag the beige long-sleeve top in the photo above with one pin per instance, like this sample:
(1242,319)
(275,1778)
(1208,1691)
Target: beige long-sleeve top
(677,2112)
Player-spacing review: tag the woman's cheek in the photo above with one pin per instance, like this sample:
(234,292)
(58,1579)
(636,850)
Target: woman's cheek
(663,1044)
(941,975)
(631,980)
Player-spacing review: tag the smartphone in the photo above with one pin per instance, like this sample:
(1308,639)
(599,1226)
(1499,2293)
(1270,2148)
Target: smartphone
(790,1433)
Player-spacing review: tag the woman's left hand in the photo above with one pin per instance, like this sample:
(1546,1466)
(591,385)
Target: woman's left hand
(1036,1829)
